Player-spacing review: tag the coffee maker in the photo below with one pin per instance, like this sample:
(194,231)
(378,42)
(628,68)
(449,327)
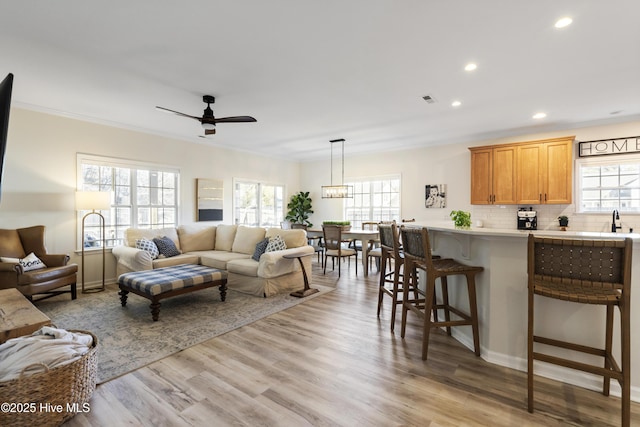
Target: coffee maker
(527,219)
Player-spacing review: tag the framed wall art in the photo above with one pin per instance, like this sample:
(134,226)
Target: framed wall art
(435,196)
(210,201)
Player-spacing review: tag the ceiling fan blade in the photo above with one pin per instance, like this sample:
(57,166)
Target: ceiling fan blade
(209,131)
(236,119)
(178,113)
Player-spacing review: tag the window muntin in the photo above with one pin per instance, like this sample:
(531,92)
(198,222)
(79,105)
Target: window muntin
(258,204)
(607,185)
(374,199)
(142,196)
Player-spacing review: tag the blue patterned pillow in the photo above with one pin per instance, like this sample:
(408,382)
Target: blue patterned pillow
(261,247)
(276,243)
(166,246)
(149,246)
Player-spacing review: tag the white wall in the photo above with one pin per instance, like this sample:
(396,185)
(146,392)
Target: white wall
(450,165)
(39,179)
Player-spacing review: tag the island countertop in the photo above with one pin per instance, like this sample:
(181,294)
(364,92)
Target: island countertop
(510,232)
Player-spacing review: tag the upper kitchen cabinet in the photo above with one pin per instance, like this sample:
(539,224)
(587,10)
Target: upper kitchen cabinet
(535,172)
(545,172)
(493,175)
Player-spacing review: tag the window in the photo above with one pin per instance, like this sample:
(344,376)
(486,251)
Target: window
(608,185)
(142,196)
(374,199)
(258,204)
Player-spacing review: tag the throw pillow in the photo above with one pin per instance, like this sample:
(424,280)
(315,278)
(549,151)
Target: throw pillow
(166,246)
(261,248)
(149,246)
(276,243)
(30,262)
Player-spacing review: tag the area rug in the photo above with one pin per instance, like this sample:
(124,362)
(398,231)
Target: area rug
(129,339)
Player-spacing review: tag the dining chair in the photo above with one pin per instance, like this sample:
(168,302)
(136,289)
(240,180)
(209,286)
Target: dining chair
(334,248)
(595,272)
(417,255)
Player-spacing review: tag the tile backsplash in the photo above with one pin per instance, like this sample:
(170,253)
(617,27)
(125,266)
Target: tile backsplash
(505,216)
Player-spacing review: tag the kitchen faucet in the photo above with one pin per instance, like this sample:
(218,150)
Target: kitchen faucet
(615,216)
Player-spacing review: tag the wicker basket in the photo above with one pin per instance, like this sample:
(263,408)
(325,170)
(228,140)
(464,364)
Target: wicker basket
(70,386)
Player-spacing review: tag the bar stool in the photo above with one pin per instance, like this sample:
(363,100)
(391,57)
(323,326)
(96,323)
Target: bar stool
(586,272)
(392,257)
(416,247)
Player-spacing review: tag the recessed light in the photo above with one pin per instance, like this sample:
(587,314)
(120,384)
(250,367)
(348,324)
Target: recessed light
(539,115)
(470,66)
(563,22)
(456,103)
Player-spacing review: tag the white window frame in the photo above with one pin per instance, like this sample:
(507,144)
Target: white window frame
(601,161)
(259,214)
(114,231)
(357,222)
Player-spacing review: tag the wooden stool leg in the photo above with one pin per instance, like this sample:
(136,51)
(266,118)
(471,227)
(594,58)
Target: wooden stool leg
(428,308)
(625,332)
(408,272)
(606,380)
(473,309)
(530,352)
(445,302)
(383,262)
(396,289)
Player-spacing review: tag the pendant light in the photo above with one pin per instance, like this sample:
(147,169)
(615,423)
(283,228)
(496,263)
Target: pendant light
(337,191)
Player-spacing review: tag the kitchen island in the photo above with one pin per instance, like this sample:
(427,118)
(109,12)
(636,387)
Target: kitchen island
(502,302)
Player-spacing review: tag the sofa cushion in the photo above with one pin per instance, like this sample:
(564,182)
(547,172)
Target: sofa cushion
(246,267)
(196,238)
(224,237)
(292,238)
(276,243)
(219,259)
(261,247)
(166,246)
(149,246)
(133,234)
(176,260)
(246,239)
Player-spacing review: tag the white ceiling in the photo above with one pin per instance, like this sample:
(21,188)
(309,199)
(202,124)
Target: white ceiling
(311,71)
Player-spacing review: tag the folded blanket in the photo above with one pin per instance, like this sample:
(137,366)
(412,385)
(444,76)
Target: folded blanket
(50,346)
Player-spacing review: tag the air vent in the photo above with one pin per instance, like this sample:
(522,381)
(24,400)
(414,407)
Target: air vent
(429,98)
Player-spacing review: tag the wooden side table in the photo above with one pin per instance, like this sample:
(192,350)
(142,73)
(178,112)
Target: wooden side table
(307,290)
(18,316)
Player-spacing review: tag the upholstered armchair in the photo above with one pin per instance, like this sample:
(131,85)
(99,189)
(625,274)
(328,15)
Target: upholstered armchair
(48,280)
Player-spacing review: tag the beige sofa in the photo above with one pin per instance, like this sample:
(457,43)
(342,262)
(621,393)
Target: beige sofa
(226,247)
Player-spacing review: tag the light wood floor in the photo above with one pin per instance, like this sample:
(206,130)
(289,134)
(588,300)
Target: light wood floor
(331,362)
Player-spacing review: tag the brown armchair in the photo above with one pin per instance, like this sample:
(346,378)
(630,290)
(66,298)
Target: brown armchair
(58,273)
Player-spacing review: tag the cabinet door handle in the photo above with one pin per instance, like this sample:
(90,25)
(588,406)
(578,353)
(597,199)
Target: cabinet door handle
(540,197)
(545,197)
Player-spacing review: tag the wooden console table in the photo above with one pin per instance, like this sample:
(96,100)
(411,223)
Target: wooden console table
(18,316)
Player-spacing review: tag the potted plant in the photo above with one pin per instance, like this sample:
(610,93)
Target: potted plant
(299,209)
(563,220)
(461,219)
(346,225)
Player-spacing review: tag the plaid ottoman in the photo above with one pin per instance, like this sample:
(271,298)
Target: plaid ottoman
(167,282)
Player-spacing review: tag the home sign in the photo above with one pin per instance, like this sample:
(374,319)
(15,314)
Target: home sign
(603,147)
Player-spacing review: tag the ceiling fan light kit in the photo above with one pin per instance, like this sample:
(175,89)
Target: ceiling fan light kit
(337,191)
(208,120)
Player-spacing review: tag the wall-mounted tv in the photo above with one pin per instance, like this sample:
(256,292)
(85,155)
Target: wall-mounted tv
(5,107)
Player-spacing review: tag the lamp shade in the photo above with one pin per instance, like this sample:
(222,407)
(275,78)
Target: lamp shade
(92,200)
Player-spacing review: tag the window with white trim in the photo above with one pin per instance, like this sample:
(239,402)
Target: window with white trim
(258,204)
(612,183)
(142,196)
(374,199)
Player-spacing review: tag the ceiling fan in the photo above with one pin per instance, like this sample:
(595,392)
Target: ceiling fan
(207,120)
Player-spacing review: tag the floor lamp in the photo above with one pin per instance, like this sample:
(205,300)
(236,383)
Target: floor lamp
(93,201)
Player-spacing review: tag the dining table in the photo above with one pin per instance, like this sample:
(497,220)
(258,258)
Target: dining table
(365,236)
